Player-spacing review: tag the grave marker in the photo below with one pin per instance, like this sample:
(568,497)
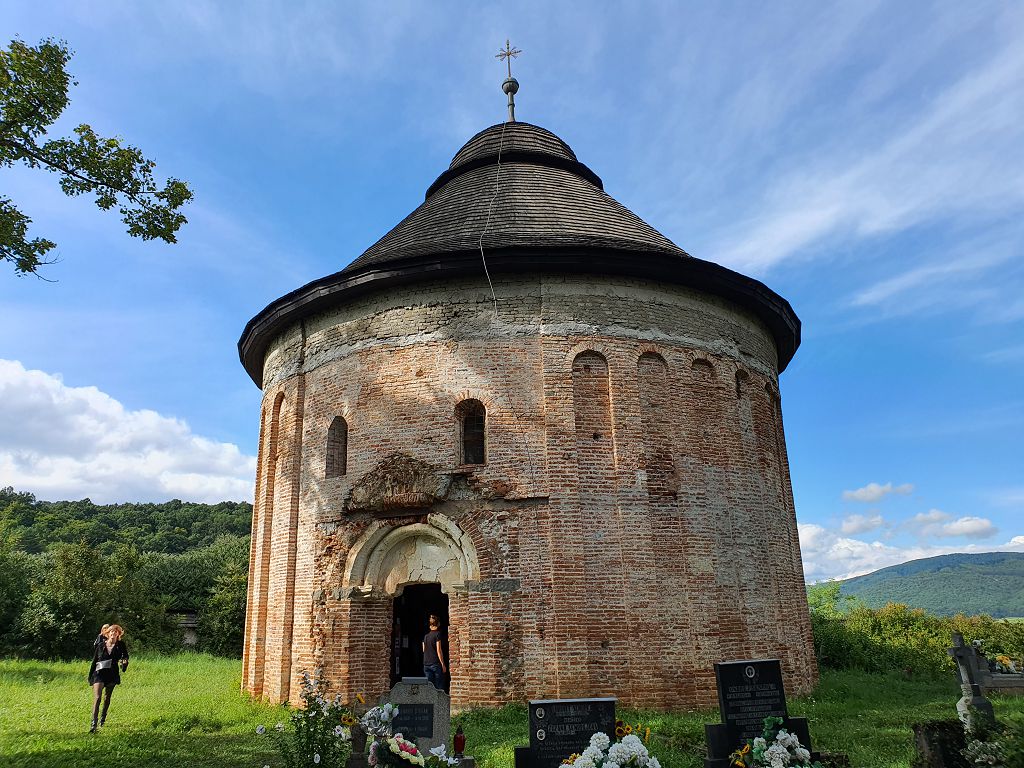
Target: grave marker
(424,712)
(561,727)
(748,692)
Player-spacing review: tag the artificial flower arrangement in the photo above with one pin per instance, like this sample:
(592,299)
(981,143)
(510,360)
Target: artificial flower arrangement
(394,750)
(627,752)
(775,748)
(1005,664)
(320,731)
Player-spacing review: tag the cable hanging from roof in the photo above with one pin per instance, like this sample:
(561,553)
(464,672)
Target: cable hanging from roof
(510,86)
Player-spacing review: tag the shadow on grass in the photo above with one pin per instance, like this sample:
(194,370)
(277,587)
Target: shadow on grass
(41,673)
(113,748)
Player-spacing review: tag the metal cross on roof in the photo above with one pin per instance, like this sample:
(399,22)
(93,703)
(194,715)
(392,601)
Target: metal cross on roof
(508,53)
(511,85)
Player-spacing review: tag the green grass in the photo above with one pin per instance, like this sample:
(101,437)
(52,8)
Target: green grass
(867,716)
(186,710)
(173,711)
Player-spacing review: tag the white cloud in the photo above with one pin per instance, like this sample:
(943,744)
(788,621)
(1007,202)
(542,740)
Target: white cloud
(829,555)
(938,524)
(62,442)
(873,492)
(861,523)
(970,527)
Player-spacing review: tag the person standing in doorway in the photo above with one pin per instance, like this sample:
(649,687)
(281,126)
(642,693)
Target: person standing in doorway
(434,668)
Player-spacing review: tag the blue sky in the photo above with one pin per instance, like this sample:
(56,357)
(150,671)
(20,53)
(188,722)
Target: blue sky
(864,160)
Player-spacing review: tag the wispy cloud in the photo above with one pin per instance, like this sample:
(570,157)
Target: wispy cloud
(954,158)
(1006,354)
(853,524)
(927,276)
(873,492)
(1008,497)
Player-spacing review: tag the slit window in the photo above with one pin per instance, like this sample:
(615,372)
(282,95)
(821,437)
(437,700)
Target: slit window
(473,425)
(337,448)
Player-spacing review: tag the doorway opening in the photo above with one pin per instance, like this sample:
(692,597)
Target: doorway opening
(412,610)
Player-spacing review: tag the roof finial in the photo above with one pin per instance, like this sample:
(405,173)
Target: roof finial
(511,85)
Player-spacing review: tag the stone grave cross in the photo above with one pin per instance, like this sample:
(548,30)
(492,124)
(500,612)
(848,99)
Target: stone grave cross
(972,703)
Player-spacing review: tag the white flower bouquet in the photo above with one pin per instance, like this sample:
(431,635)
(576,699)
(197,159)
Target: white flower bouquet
(775,748)
(377,721)
(602,752)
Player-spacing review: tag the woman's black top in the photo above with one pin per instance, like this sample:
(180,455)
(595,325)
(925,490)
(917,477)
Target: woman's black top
(111,675)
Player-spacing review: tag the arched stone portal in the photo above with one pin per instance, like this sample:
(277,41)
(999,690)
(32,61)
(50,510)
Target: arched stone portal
(391,554)
(389,557)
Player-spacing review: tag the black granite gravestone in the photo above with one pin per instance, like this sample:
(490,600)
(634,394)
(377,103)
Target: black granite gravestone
(560,727)
(748,692)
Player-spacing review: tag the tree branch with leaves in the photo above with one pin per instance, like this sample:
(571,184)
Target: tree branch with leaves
(34,84)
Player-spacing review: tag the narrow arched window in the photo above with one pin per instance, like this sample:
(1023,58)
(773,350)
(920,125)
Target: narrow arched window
(472,418)
(337,448)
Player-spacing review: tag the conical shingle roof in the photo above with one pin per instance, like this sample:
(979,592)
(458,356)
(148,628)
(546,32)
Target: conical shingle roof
(540,197)
(521,192)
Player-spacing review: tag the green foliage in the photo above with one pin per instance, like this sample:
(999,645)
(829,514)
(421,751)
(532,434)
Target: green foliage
(990,583)
(1000,745)
(55,602)
(171,527)
(74,591)
(222,619)
(896,638)
(34,85)
(68,567)
(314,734)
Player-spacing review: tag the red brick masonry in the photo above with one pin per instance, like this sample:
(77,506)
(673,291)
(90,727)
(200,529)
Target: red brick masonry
(632,525)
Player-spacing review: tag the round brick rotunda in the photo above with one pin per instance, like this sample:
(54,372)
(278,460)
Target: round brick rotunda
(569,447)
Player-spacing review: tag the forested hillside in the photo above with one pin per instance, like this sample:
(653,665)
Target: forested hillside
(66,567)
(171,527)
(989,583)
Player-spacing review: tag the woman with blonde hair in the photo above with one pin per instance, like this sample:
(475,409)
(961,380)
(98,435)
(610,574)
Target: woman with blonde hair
(109,653)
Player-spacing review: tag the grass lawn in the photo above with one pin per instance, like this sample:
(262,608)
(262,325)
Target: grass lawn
(187,711)
(171,711)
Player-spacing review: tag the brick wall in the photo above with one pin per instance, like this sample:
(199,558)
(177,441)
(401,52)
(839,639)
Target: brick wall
(633,524)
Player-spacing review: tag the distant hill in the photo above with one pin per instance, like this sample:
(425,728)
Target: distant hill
(990,582)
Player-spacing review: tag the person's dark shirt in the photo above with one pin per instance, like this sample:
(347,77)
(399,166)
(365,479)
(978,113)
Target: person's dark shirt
(430,642)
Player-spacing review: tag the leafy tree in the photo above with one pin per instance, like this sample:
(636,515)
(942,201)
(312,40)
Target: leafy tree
(222,620)
(63,613)
(172,527)
(34,86)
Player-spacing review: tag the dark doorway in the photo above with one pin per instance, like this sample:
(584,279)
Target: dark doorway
(411,613)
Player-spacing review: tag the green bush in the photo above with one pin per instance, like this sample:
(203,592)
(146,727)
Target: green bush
(53,604)
(849,635)
(76,589)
